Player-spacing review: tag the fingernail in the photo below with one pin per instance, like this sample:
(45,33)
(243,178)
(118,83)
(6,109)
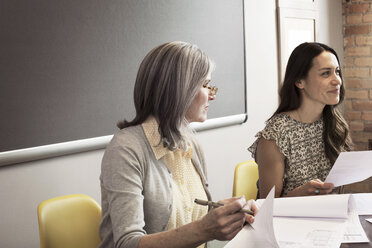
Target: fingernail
(242,200)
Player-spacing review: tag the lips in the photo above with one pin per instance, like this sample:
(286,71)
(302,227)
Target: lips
(336,91)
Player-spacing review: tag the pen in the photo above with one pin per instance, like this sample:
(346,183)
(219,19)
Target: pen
(216,205)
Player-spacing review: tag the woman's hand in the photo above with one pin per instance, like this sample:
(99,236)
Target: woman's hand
(251,205)
(313,187)
(223,223)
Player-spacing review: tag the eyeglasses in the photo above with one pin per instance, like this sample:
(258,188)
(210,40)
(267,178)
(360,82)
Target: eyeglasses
(212,89)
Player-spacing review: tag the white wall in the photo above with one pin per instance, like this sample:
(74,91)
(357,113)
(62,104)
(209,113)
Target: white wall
(24,186)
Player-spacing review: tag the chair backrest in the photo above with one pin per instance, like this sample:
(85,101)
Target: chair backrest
(245,179)
(69,221)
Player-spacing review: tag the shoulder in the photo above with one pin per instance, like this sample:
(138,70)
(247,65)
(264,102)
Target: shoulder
(279,123)
(276,133)
(129,145)
(279,119)
(133,136)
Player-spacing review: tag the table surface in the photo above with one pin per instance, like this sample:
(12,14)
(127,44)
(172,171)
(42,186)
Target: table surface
(367,226)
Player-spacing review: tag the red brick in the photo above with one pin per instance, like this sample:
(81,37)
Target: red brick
(367,127)
(366,84)
(367,18)
(356,126)
(348,104)
(361,136)
(362,29)
(354,19)
(343,8)
(349,61)
(362,40)
(367,116)
(352,115)
(358,8)
(362,105)
(353,83)
(349,41)
(360,146)
(356,94)
(363,62)
(357,51)
(356,72)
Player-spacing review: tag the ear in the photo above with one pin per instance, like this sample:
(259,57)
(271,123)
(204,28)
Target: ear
(300,84)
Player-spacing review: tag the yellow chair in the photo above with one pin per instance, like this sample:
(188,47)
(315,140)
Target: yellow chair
(245,179)
(69,221)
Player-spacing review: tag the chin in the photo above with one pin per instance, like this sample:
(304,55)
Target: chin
(333,101)
(197,120)
(201,119)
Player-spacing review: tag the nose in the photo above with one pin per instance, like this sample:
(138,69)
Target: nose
(336,80)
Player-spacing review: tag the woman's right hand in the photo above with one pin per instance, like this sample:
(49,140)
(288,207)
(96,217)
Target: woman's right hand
(313,187)
(223,223)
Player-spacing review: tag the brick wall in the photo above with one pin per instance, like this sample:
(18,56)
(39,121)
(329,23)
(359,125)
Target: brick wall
(357,21)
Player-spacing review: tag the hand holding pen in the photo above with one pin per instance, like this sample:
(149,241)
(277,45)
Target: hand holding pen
(226,218)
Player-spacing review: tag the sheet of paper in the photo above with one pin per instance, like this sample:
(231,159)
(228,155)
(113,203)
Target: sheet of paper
(299,221)
(261,233)
(354,232)
(327,206)
(369,220)
(363,203)
(323,206)
(309,232)
(311,221)
(351,167)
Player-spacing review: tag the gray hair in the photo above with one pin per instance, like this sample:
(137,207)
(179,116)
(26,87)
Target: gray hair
(167,81)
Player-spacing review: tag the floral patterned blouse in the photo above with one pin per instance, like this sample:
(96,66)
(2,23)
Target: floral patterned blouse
(303,148)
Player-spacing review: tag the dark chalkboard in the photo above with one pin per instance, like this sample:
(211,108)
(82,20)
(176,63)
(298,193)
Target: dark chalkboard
(67,68)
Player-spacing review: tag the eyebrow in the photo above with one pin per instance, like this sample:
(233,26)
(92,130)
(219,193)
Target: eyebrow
(328,68)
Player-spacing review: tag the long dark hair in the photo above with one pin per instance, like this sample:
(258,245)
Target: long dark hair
(167,81)
(336,131)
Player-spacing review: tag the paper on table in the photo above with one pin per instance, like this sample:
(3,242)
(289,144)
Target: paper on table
(309,232)
(303,220)
(261,232)
(354,232)
(363,203)
(322,206)
(351,167)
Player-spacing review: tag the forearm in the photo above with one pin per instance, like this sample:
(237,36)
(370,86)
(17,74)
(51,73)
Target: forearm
(190,235)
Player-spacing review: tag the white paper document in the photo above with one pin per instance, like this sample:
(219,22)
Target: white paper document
(303,222)
(261,232)
(351,167)
(363,203)
(354,232)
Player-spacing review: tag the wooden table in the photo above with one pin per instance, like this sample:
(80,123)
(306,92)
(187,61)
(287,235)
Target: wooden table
(367,226)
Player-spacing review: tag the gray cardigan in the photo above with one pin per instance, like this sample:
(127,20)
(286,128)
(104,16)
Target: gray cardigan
(136,189)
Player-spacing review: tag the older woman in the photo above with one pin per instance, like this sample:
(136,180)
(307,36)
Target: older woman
(153,169)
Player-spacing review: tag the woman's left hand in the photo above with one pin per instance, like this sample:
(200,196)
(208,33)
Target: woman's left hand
(251,205)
